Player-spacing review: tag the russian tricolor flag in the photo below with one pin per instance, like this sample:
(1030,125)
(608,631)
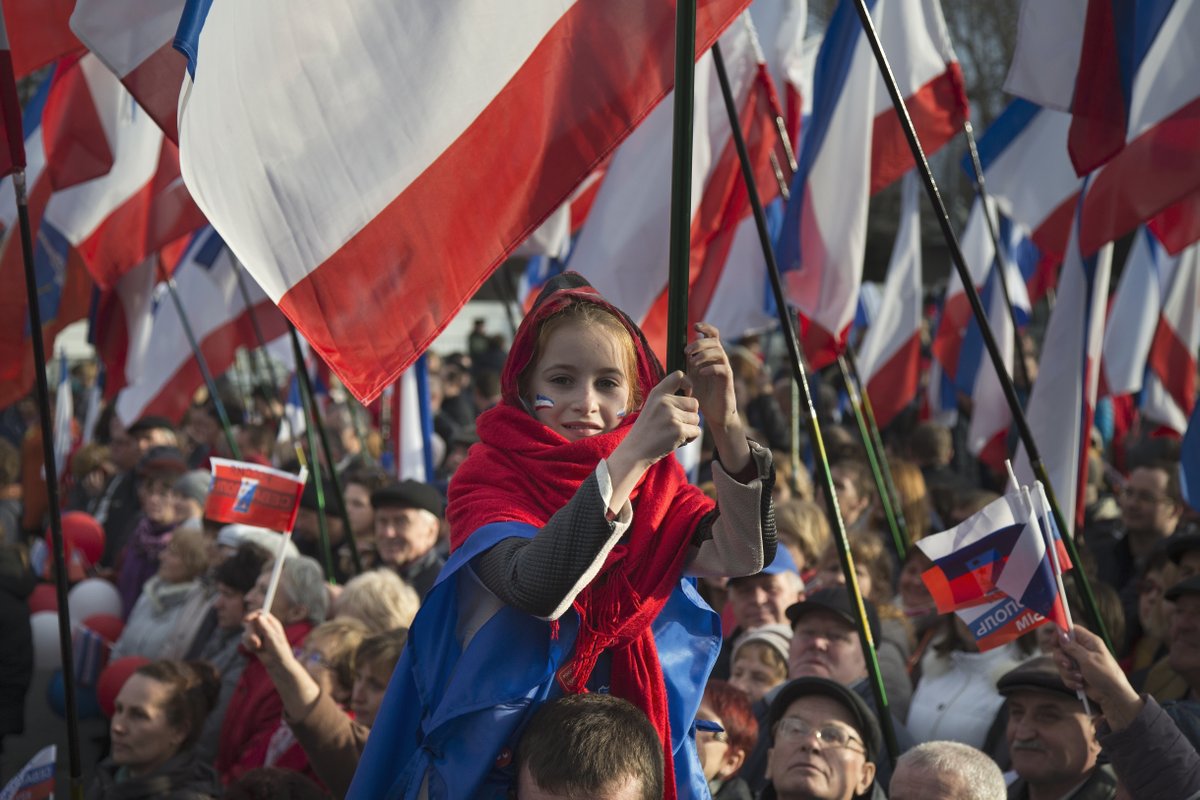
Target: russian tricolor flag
(853,147)
(1133,314)
(1170,391)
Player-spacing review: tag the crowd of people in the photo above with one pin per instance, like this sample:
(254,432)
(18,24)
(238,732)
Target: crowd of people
(535,621)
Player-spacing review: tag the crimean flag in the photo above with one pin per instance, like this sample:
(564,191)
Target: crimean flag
(253,495)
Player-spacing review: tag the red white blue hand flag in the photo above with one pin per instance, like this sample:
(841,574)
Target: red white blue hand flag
(250,494)
(1170,391)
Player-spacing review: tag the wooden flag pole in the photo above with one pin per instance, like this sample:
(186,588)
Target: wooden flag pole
(681,185)
(51,472)
(834,511)
(989,338)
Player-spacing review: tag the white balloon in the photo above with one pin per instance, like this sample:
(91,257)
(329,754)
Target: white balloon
(93,596)
(47,654)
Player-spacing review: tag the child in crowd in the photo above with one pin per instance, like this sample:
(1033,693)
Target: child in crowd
(760,660)
(571,534)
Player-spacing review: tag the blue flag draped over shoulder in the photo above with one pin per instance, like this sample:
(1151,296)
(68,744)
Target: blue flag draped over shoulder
(453,714)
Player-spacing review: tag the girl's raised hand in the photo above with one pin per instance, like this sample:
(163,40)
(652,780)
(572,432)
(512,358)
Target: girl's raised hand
(669,418)
(712,377)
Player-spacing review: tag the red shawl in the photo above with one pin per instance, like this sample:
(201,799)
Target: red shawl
(522,471)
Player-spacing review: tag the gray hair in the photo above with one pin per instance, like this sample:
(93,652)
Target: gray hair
(380,599)
(979,776)
(303,582)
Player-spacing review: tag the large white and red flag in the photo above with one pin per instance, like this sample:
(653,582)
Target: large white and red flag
(1127,74)
(160,372)
(853,147)
(623,249)
(396,152)
(1062,405)
(987,432)
(890,355)
(1170,392)
(1133,314)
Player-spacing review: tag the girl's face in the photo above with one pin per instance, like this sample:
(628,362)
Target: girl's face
(142,737)
(914,594)
(579,387)
(752,676)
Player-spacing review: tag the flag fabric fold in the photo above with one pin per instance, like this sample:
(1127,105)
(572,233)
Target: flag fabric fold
(1170,391)
(853,147)
(890,355)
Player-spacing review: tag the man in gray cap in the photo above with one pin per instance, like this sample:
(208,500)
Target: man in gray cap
(824,743)
(407,525)
(1051,738)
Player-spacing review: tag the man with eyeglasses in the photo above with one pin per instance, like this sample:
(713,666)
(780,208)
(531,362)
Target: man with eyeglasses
(824,742)
(1151,506)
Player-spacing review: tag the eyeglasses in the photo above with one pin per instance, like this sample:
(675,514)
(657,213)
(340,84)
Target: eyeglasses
(307,657)
(794,729)
(708,730)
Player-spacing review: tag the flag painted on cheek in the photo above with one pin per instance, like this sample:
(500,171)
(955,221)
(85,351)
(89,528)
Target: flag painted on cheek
(541,401)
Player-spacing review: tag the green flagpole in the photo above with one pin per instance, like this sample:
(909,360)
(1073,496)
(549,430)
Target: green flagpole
(873,427)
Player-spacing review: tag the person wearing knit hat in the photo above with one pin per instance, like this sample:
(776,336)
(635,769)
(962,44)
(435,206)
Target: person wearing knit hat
(760,660)
(191,493)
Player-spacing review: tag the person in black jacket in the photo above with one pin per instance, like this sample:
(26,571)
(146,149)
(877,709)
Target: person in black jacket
(16,639)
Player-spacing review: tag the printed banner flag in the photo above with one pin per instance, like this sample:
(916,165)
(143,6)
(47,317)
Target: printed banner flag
(253,495)
(35,781)
(1000,621)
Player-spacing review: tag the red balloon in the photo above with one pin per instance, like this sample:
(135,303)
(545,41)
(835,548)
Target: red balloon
(107,625)
(113,678)
(43,598)
(82,533)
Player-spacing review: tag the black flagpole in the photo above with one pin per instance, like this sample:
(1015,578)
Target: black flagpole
(681,185)
(989,338)
(814,429)
(51,469)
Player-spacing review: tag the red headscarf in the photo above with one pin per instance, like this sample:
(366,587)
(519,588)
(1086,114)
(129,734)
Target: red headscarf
(522,471)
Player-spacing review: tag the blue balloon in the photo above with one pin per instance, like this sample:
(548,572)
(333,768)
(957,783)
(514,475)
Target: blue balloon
(85,698)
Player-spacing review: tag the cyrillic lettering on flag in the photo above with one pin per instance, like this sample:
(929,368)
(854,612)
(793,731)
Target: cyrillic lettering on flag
(253,495)
(997,623)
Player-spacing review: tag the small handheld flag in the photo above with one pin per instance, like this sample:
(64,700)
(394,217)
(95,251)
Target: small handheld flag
(35,780)
(253,495)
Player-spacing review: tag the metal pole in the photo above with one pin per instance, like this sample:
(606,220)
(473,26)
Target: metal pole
(309,398)
(989,338)
(681,185)
(60,560)
(814,429)
(226,427)
(873,459)
(1022,376)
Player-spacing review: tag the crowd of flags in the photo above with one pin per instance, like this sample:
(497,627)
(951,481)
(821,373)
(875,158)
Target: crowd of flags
(369,224)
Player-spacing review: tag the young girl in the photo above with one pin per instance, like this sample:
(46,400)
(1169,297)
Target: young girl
(571,532)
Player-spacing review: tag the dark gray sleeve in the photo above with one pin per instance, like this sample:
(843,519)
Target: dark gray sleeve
(541,576)
(1152,757)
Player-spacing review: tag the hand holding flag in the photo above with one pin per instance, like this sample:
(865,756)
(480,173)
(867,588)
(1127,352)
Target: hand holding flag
(254,495)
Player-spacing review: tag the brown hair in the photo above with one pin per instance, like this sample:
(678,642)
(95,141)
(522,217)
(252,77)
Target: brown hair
(587,314)
(192,548)
(193,685)
(344,635)
(803,524)
(382,649)
(914,497)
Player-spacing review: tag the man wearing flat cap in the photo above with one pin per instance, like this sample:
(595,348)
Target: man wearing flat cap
(407,523)
(824,743)
(1051,738)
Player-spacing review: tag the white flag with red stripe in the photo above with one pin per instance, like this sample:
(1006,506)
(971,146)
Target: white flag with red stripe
(1170,393)
(160,371)
(372,164)
(890,355)
(1133,314)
